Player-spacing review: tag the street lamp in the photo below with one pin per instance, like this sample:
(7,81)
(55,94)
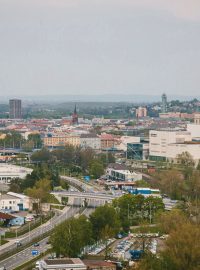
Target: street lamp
(29,229)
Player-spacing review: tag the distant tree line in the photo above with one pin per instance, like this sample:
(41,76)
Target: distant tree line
(15,140)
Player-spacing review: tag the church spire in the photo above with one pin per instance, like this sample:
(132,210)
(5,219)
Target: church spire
(75,112)
(75,116)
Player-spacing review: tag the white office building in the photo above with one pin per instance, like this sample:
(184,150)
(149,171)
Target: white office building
(175,149)
(159,141)
(123,175)
(9,172)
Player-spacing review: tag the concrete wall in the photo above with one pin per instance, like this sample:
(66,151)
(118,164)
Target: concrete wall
(159,141)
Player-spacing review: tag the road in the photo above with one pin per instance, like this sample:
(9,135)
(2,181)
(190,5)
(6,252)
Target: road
(77,183)
(87,195)
(26,255)
(25,239)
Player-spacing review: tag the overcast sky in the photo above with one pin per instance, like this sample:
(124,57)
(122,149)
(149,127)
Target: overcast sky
(99,47)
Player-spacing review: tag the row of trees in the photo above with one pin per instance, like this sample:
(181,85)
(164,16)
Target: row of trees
(14,139)
(133,210)
(75,159)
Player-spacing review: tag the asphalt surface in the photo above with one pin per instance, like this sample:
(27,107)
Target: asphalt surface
(25,255)
(28,237)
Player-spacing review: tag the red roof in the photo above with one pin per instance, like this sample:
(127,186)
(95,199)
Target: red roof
(107,137)
(92,263)
(6,216)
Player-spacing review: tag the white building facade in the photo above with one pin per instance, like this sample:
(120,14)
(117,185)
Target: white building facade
(9,172)
(14,202)
(159,141)
(90,141)
(123,175)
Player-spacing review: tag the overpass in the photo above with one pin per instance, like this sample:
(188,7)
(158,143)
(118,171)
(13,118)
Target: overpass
(77,183)
(89,199)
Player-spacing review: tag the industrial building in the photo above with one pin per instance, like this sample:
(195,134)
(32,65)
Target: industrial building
(9,172)
(14,202)
(64,264)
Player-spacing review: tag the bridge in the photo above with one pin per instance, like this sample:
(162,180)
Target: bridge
(89,199)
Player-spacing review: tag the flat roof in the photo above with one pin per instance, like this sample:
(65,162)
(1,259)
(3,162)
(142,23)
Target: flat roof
(58,261)
(121,183)
(64,261)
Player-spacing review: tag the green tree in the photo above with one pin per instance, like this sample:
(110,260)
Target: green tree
(182,248)
(70,237)
(142,183)
(185,159)
(171,220)
(86,157)
(134,209)
(42,155)
(104,218)
(35,139)
(40,191)
(64,184)
(96,169)
(172,183)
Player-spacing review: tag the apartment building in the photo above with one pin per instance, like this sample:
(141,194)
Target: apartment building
(56,140)
(108,141)
(119,172)
(141,112)
(90,141)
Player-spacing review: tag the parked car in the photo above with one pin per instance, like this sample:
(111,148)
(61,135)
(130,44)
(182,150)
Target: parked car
(36,244)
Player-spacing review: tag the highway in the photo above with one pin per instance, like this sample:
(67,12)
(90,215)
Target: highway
(77,183)
(26,254)
(28,237)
